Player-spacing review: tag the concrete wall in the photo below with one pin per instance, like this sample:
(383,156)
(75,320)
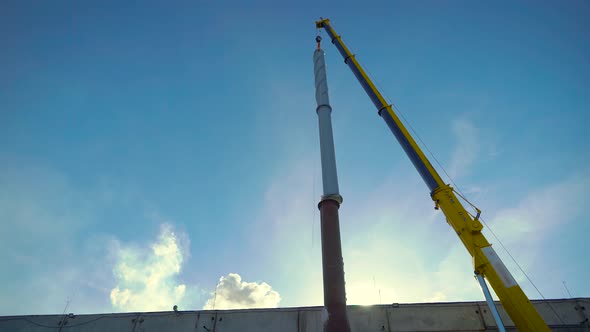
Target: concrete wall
(562,315)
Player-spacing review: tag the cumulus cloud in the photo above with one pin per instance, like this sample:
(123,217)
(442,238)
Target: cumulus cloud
(147,279)
(233,293)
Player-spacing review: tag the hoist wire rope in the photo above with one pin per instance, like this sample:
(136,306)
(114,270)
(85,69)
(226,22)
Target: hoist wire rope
(407,122)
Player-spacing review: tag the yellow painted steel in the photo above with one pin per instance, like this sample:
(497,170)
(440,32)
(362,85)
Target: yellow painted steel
(515,302)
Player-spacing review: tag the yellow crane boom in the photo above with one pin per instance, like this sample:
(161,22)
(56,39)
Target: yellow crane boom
(468,227)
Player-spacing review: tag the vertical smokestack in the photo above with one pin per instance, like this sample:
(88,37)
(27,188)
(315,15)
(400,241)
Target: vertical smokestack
(332,263)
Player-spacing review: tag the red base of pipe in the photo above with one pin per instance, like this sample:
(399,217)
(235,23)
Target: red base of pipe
(333,268)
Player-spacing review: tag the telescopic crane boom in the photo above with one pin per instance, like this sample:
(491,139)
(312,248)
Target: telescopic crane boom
(468,228)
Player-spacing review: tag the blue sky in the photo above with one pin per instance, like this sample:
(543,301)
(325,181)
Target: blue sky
(148,150)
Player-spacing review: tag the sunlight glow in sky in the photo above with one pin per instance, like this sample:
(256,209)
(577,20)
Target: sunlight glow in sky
(159,154)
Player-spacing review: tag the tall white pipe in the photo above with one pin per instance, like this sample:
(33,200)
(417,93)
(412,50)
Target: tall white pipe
(324,110)
(332,262)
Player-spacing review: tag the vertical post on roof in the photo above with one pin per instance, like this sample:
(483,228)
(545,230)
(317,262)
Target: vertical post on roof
(332,262)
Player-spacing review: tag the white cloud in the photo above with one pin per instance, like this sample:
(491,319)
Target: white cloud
(529,230)
(396,247)
(147,279)
(289,226)
(233,293)
(543,209)
(404,251)
(42,214)
(467,149)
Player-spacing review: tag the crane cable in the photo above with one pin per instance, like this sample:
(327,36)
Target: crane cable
(458,191)
(318,37)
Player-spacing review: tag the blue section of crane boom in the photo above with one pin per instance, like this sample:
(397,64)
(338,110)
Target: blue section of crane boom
(381,107)
(355,71)
(418,164)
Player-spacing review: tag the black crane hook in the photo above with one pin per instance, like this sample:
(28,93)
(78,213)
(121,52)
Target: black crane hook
(318,39)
